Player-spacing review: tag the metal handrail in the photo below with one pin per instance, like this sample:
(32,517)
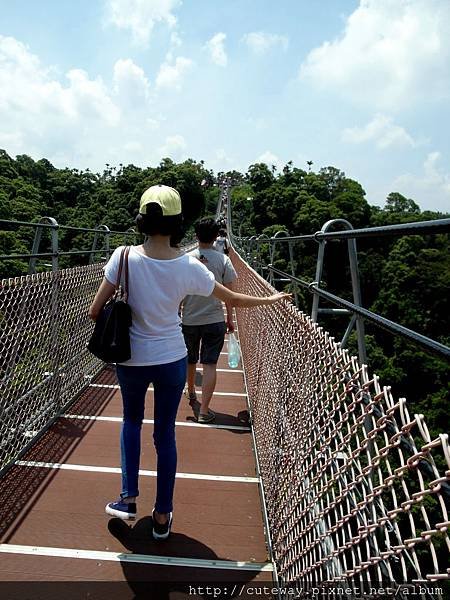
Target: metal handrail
(47,254)
(387,324)
(51,224)
(415,228)
(34,396)
(283,416)
(359,313)
(58,226)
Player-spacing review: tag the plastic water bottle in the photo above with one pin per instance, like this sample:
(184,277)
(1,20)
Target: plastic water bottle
(234,352)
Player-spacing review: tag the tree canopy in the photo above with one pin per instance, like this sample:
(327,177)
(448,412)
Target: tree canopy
(405,279)
(30,190)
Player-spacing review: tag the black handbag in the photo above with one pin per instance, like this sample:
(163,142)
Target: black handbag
(110,340)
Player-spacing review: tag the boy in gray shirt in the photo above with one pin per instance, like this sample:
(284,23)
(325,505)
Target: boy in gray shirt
(203,325)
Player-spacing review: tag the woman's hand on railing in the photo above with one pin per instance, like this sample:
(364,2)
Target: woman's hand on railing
(245,301)
(280,296)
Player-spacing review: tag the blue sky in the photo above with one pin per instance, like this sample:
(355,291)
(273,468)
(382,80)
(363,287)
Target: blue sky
(362,85)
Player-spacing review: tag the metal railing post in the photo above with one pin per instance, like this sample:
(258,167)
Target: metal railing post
(271,253)
(278,234)
(291,260)
(318,278)
(129,231)
(358,315)
(55,317)
(250,257)
(356,289)
(99,229)
(55,244)
(356,286)
(259,265)
(348,331)
(107,242)
(37,242)
(35,249)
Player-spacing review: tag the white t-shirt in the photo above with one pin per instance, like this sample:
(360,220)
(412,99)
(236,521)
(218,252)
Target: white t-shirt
(219,244)
(156,288)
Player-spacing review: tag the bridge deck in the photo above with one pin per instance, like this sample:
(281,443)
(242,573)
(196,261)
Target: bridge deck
(54,527)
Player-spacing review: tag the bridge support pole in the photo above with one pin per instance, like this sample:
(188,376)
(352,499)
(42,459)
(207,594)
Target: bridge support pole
(356,289)
(318,278)
(37,242)
(356,286)
(105,229)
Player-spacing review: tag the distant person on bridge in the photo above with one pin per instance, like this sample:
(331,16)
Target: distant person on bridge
(204,327)
(160,276)
(221,243)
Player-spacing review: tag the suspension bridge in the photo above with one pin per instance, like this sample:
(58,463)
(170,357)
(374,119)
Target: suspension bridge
(313,473)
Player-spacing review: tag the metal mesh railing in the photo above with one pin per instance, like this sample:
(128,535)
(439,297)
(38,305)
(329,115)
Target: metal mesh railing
(44,362)
(356,490)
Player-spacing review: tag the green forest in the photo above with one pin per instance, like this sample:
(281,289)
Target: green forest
(405,279)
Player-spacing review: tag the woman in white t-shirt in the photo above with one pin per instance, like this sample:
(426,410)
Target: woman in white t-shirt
(159,278)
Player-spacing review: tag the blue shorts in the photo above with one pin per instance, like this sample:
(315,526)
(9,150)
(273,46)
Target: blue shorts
(211,337)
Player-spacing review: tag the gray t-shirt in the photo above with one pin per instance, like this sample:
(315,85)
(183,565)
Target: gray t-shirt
(198,310)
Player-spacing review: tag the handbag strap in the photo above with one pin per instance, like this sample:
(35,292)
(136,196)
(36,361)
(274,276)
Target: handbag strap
(119,272)
(123,259)
(126,287)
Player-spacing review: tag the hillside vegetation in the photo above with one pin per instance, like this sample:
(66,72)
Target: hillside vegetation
(405,279)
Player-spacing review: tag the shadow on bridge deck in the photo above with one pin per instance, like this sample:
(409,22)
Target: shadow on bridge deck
(54,528)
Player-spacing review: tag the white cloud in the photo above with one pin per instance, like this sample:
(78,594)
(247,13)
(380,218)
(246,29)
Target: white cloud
(216,49)
(130,82)
(152,123)
(90,97)
(171,75)
(391,54)
(140,16)
(75,119)
(222,158)
(175,39)
(13,142)
(430,188)
(260,42)
(257,123)
(175,42)
(269,158)
(381,130)
(174,147)
(133,146)
(29,95)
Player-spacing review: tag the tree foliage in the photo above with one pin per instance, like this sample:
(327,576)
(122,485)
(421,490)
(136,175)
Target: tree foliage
(30,190)
(406,279)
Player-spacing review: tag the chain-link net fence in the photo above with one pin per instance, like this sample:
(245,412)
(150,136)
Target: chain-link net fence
(44,363)
(43,357)
(356,489)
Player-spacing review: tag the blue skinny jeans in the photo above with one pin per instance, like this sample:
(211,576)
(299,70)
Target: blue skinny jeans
(168,383)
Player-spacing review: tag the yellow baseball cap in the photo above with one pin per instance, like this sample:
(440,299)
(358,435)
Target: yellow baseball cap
(167,197)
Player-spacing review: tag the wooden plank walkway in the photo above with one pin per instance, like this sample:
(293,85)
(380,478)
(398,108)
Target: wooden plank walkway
(53,526)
